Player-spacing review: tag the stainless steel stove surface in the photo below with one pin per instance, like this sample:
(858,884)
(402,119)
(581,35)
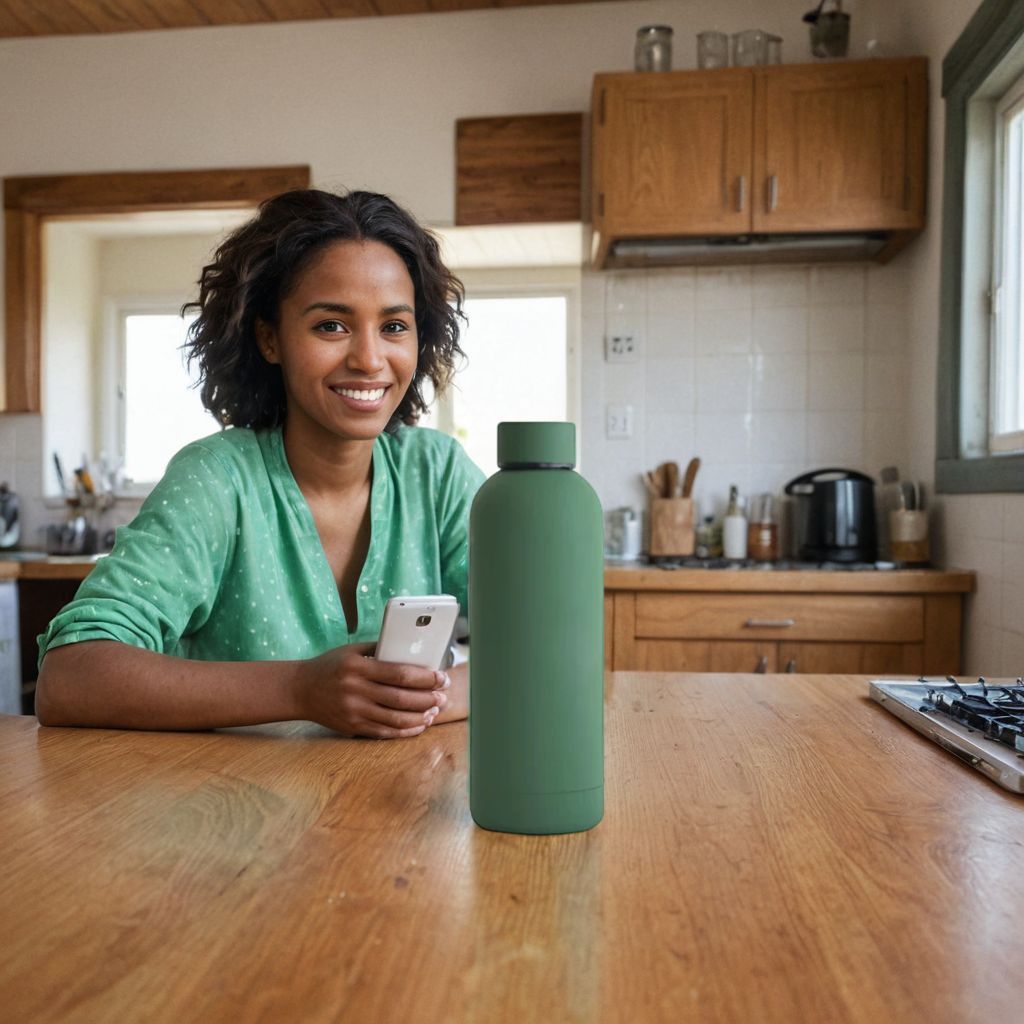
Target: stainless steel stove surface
(981,723)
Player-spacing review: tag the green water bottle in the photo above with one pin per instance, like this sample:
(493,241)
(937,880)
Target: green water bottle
(536,621)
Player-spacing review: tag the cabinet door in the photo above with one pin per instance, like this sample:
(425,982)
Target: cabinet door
(672,153)
(840,147)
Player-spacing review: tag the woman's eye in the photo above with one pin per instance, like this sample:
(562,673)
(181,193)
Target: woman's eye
(395,327)
(330,326)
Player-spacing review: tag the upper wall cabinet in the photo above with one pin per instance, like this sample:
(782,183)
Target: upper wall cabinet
(826,149)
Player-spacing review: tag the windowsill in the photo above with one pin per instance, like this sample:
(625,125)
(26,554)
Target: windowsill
(992,473)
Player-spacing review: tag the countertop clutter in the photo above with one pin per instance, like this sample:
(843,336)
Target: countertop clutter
(773,848)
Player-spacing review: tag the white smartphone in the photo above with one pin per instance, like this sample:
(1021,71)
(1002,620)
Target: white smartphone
(417,630)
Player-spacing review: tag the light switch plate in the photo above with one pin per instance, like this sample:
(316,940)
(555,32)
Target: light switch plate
(621,348)
(618,422)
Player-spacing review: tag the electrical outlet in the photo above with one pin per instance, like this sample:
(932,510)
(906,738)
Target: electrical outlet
(621,348)
(618,423)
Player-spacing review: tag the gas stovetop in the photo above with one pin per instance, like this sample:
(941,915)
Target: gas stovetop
(692,562)
(982,723)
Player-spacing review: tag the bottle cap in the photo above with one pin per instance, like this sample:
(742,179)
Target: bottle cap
(536,444)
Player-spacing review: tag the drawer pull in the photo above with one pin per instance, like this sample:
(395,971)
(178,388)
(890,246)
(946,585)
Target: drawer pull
(769,623)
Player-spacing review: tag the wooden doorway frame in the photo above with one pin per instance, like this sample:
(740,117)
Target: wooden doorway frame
(28,202)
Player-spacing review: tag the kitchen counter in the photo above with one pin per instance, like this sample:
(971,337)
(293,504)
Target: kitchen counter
(774,848)
(640,576)
(49,567)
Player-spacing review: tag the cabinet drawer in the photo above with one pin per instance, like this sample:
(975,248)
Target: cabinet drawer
(881,618)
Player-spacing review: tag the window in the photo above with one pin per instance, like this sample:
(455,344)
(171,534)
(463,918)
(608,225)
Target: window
(1007,360)
(158,407)
(980,414)
(520,362)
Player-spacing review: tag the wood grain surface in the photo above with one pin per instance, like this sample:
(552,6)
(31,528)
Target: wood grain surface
(774,848)
(522,169)
(30,200)
(895,581)
(58,17)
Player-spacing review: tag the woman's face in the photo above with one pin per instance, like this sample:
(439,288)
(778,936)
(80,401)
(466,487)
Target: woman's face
(345,341)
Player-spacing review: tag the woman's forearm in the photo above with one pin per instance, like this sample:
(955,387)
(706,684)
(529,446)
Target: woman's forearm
(113,685)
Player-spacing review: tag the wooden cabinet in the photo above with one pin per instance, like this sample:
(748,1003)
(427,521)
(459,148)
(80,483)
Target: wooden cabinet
(736,621)
(784,149)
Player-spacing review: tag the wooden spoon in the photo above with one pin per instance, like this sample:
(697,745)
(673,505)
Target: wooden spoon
(691,473)
(671,479)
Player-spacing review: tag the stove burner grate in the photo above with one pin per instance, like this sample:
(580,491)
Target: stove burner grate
(997,711)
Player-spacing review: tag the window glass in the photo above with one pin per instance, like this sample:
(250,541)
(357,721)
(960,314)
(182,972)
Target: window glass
(1007,407)
(161,410)
(515,370)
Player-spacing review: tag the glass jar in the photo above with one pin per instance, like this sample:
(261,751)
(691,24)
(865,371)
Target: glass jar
(653,50)
(748,48)
(763,530)
(712,50)
(773,50)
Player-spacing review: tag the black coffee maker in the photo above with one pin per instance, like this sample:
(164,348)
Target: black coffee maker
(834,516)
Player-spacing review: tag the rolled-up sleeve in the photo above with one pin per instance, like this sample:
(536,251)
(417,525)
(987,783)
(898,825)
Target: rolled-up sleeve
(164,574)
(460,482)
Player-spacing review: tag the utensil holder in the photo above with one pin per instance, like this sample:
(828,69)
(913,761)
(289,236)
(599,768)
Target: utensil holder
(671,526)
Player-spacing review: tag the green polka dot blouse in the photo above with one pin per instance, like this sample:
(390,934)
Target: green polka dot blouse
(224,563)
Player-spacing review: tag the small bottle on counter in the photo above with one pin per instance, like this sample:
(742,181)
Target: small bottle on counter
(734,528)
(763,530)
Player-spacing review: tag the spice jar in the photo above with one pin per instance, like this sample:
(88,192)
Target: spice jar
(653,51)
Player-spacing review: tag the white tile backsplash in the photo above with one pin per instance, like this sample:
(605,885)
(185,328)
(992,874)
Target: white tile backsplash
(780,382)
(724,288)
(724,384)
(836,440)
(780,330)
(780,286)
(835,382)
(720,331)
(764,372)
(670,386)
(985,532)
(838,284)
(836,328)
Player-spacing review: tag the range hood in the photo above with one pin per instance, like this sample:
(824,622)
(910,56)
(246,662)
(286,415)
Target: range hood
(736,249)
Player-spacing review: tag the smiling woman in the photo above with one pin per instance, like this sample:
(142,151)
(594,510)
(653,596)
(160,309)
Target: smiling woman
(253,581)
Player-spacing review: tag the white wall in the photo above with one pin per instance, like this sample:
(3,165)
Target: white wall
(69,358)
(984,532)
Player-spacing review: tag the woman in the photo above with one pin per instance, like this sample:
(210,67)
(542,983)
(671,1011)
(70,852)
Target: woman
(252,583)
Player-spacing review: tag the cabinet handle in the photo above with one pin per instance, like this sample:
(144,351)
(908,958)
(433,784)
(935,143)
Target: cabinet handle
(791,665)
(762,665)
(769,623)
(741,193)
(773,192)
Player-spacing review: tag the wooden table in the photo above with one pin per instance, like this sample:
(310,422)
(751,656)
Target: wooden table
(775,848)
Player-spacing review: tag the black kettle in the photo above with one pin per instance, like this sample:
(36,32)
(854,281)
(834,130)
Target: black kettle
(834,516)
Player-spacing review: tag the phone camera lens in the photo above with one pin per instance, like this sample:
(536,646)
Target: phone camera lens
(423,620)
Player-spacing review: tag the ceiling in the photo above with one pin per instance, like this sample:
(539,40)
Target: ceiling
(20,18)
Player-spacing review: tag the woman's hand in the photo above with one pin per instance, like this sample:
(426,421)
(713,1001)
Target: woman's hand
(347,690)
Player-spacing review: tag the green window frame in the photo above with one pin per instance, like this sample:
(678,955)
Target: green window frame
(988,55)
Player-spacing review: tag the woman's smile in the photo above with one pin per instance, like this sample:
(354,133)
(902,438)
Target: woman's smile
(346,342)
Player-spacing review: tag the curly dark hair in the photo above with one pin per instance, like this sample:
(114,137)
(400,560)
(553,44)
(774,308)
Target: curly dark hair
(257,265)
